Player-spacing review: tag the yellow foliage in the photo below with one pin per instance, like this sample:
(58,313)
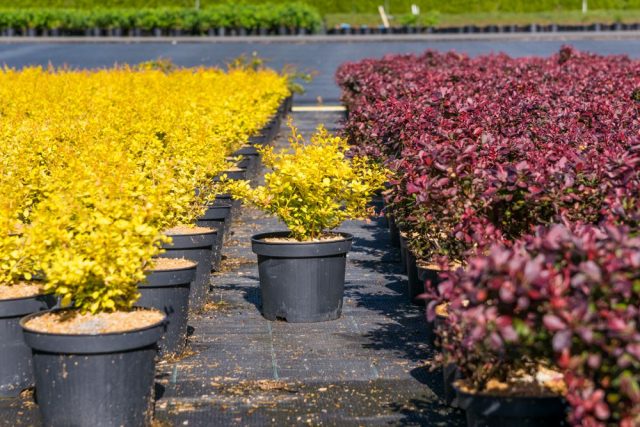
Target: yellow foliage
(95,164)
(314,187)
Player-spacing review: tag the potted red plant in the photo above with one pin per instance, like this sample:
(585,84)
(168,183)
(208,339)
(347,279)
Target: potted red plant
(555,302)
(494,334)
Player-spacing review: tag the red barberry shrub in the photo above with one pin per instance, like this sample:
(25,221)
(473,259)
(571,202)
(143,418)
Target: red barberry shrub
(565,296)
(486,149)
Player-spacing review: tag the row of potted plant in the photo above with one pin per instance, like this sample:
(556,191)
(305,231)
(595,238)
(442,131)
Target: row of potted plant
(110,174)
(434,28)
(516,179)
(214,20)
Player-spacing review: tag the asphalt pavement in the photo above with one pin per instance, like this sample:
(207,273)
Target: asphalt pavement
(321,55)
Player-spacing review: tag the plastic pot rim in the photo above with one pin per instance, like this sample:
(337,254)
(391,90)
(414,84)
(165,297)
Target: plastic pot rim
(485,395)
(217,211)
(259,238)
(286,233)
(22,306)
(181,241)
(212,231)
(174,277)
(297,249)
(220,203)
(27,318)
(168,270)
(10,300)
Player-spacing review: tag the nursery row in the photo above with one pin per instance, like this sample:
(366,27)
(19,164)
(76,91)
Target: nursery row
(265,18)
(394,7)
(436,28)
(165,133)
(123,185)
(108,171)
(517,195)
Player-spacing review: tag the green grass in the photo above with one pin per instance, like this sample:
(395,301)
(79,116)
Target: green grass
(496,18)
(434,12)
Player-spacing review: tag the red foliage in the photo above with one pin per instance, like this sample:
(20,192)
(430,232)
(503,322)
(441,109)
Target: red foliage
(488,150)
(569,296)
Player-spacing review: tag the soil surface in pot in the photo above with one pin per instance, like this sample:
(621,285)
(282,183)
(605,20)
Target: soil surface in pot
(442,310)
(428,265)
(437,267)
(21,290)
(73,323)
(330,237)
(544,382)
(187,229)
(162,264)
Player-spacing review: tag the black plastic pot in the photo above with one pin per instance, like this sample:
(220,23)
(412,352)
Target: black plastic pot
(218,217)
(246,150)
(288,104)
(168,291)
(245,163)
(502,411)
(271,122)
(263,137)
(450,374)
(270,133)
(416,286)
(94,380)
(269,129)
(196,247)
(394,232)
(285,106)
(273,127)
(226,199)
(301,282)
(16,371)
(250,159)
(259,140)
(236,174)
(428,274)
(428,278)
(403,253)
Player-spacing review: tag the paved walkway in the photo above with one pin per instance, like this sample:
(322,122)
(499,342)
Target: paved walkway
(364,369)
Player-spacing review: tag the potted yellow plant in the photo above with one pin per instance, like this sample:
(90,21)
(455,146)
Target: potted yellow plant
(94,359)
(312,188)
(20,293)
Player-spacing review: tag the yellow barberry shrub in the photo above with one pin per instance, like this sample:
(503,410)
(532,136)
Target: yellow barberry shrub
(315,186)
(96,164)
